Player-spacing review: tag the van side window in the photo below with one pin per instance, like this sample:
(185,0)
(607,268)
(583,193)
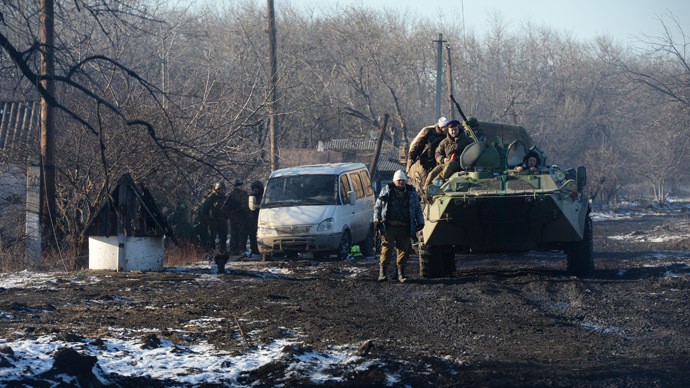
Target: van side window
(366,182)
(357,184)
(344,188)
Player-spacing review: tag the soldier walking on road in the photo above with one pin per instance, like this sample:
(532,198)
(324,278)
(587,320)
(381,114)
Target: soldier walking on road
(398,212)
(212,220)
(239,218)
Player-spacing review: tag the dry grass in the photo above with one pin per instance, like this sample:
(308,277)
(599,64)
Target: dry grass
(184,254)
(12,258)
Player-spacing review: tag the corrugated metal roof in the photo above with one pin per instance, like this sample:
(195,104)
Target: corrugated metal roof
(389,160)
(389,164)
(19,126)
(350,144)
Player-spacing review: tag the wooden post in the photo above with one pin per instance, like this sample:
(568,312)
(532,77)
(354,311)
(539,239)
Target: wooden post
(372,168)
(449,82)
(48,214)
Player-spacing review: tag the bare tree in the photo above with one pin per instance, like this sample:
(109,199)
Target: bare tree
(661,148)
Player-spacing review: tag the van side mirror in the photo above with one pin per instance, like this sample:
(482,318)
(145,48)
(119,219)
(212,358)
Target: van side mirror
(581,177)
(351,197)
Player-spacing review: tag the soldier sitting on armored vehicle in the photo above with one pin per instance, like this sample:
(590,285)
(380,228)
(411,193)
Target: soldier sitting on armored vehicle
(530,164)
(448,153)
(421,157)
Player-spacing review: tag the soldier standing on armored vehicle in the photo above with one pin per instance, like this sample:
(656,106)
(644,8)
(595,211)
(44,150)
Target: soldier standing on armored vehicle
(423,149)
(448,152)
(239,218)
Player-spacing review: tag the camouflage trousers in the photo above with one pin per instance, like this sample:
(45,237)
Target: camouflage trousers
(397,237)
(238,235)
(443,171)
(217,229)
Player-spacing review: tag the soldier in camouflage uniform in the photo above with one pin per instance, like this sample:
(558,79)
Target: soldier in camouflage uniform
(181,226)
(239,218)
(398,212)
(212,219)
(448,152)
(420,158)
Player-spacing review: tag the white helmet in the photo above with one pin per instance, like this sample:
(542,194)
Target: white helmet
(399,175)
(442,121)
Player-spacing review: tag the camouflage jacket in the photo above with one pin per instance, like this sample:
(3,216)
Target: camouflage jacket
(239,204)
(424,145)
(212,208)
(452,146)
(414,205)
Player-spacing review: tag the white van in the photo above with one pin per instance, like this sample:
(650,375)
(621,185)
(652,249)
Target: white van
(322,209)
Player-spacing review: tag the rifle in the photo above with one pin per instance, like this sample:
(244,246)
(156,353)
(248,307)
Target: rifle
(381,228)
(464,119)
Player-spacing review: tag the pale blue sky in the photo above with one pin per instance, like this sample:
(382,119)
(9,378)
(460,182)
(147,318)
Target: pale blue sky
(585,19)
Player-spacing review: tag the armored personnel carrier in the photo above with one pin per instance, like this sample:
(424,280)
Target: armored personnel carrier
(489,206)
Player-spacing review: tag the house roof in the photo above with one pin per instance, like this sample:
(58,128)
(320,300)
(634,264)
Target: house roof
(389,159)
(19,128)
(343,150)
(350,145)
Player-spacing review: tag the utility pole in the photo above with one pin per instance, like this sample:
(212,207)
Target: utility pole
(47,19)
(449,82)
(273,99)
(439,74)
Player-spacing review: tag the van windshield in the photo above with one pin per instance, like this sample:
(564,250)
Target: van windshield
(301,190)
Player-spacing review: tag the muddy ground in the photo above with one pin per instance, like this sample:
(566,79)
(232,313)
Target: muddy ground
(500,321)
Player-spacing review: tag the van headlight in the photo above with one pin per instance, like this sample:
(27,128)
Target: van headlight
(325,225)
(265,230)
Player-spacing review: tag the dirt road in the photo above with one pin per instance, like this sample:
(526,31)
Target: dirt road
(500,321)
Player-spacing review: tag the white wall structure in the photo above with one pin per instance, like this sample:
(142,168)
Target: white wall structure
(127,233)
(134,254)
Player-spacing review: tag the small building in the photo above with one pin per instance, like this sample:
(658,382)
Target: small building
(20,176)
(127,232)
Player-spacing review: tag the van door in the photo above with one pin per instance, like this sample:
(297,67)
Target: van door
(345,213)
(363,214)
(370,198)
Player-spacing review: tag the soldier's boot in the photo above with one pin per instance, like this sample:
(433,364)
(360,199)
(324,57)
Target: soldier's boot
(220,262)
(401,274)
(382,273)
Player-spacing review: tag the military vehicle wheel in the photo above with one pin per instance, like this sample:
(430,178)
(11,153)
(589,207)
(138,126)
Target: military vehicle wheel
(367,246)
(580,254)
(431,262)
(344,248)
(416,177)
(448,260)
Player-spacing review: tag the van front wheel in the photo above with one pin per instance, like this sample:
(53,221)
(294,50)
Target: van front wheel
(344,247)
